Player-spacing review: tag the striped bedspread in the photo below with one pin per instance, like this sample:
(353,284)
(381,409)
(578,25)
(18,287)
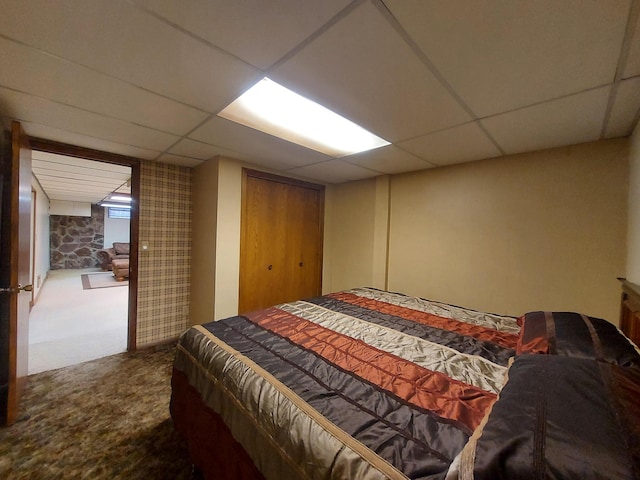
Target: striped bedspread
(357,384)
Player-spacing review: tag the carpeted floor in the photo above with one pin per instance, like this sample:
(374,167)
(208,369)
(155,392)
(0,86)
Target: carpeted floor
(103,419)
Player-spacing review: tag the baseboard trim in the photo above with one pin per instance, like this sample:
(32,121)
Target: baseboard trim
(159,344)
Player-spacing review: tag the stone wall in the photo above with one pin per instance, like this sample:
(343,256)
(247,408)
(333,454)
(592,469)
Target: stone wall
(75,240)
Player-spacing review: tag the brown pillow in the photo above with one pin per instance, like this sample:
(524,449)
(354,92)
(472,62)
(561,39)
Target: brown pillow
(121,248)
(574,335)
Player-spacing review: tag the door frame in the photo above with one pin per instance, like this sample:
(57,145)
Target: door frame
(51,146)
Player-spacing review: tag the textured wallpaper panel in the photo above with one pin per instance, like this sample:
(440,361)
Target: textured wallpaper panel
(164,270)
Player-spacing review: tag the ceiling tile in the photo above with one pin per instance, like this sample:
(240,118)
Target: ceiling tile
(125,42)
(257,31)
(632,68)
(459,144)
(50,133)
(334,171)
(503,55)
(362,68)
(260,147)
(28,108)
(570,120)
(389,159)
(202,151)
(178,160)
(626,107)
(51,77)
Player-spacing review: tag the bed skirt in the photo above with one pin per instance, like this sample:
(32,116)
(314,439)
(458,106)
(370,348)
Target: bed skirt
(212,449)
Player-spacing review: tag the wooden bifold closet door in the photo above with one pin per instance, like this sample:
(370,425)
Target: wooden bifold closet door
(280,241)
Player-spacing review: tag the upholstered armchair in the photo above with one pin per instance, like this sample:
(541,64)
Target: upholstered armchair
(119,250)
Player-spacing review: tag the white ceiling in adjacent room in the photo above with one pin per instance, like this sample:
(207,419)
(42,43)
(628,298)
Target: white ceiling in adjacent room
(78,180)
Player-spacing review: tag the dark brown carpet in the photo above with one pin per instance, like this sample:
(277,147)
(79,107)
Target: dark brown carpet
(104,419)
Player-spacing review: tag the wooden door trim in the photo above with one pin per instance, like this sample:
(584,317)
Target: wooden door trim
(321,240)
(247,172)
(101,156)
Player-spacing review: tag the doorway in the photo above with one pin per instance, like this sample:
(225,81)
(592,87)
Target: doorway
(81,310)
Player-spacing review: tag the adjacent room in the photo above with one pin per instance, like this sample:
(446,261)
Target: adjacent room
(81,223)
(344,239)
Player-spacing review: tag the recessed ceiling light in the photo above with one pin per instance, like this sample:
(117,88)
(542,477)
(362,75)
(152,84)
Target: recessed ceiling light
(276,110)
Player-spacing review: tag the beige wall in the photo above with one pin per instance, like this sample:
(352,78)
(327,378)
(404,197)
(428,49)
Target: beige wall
(217,189)
(356,226)
(227,269)
(633,236)
(203,243)
(543,230)
(351,247)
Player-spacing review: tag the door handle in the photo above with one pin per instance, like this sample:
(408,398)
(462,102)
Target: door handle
(19,288)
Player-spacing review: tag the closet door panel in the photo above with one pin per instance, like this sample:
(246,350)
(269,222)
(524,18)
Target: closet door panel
(306,242)
(281,241)
(263,265)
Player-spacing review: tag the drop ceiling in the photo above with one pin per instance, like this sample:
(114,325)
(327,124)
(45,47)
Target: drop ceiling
(445,81)
(78,180)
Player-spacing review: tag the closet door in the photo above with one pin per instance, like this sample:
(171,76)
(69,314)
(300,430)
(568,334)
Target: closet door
(305,214)
(281,240)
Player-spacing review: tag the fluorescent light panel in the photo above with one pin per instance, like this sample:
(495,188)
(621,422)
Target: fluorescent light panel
(276,110)
(115,205)
(120,198)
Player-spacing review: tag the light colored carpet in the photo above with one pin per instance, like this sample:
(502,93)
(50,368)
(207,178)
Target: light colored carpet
(101,280)
(69,325)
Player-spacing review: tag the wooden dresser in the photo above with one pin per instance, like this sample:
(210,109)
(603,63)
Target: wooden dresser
(630,311)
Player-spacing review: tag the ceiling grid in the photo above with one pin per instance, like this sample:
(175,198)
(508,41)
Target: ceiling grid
(444,82)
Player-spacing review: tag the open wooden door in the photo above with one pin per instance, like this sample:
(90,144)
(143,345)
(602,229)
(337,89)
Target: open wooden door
(15,281)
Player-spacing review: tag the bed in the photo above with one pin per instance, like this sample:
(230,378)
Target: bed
(368,384)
